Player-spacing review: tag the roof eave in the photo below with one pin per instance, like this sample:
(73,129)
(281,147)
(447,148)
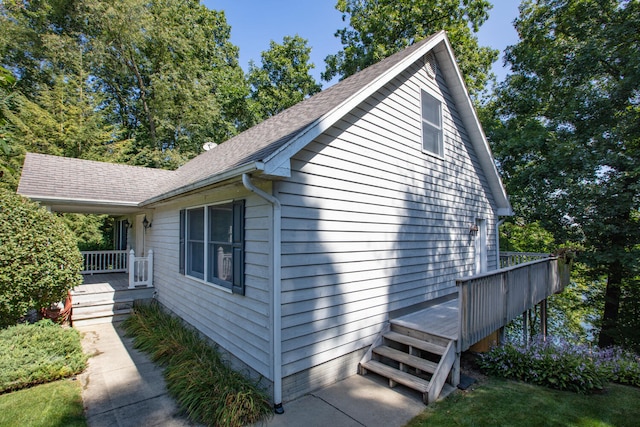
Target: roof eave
(279,159)
(65,204)
(206,182)
(455,82)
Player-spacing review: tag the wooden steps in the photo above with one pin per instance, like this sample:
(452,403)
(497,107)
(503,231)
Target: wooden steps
(103,303)
(415,359)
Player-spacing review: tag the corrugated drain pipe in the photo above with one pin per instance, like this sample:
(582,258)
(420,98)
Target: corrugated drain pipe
(277,289)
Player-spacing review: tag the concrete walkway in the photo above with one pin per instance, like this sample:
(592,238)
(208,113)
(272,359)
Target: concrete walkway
(123,388)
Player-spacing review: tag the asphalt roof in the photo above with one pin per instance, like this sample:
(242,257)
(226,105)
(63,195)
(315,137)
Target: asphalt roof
(46,177)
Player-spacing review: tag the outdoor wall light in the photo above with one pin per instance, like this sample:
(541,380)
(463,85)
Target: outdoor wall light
(473,229)
(146,223)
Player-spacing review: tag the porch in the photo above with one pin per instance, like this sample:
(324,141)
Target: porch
(113,281)
(421,350)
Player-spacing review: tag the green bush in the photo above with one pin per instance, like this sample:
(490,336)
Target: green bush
(39,259)
(203,384)
(562,365)
(38,353)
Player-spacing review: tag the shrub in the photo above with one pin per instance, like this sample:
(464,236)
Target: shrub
(39,259)
(38,353)
(558,364)
(204,385)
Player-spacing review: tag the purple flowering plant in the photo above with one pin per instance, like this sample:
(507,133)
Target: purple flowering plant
(561,364)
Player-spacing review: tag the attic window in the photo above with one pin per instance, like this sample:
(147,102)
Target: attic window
(432,141)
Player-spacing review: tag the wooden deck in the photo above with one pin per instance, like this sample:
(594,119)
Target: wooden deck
(440,319)
(105,298)
(103,283)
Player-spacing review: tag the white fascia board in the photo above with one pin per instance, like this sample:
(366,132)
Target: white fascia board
(455,82)
(65,204)
(279,160)
(51,200)
(206,182)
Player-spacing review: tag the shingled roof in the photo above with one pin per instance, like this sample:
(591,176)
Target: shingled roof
(58,181)
(264,148)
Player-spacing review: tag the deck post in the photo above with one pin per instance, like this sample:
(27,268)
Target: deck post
(525,327)
(150,269)
(132,263)
(543,318)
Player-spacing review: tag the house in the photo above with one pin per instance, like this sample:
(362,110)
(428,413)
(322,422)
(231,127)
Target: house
(293,244)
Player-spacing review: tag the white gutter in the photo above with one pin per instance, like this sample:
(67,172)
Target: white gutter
(277,290)
(210,180)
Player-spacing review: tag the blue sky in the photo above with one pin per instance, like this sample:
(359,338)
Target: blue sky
(254,23)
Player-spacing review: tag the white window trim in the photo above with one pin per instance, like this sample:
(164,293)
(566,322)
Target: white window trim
(206,246)
(436,96)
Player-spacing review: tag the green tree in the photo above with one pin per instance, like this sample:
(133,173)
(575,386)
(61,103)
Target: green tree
(169,71)
(39,259)
(380,28)
(566,134)
(283,79)
(163,74)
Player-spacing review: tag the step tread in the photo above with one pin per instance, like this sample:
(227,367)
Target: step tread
(98,314)
(407,359)
(414,342)
(396,375)
(103,302)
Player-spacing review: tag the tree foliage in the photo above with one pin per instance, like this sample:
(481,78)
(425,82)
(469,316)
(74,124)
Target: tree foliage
(283,80)
(39,259)
(566,132)
(380,28)
(162,75)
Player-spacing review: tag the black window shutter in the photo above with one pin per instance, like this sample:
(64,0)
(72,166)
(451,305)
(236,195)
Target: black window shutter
(183,216)
(238,247)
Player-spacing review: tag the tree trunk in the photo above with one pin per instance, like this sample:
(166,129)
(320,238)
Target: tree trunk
(611,305)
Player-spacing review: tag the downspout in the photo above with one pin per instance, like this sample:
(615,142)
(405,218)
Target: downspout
(277,289)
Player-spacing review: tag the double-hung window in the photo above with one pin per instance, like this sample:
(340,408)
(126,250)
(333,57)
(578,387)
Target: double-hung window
(212,244)
(432,141)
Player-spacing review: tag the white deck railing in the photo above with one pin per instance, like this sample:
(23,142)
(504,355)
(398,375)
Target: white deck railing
(489,301)
(140,269)
(104,262)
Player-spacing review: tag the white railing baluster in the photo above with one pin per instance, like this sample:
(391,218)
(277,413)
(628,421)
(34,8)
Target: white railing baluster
(141,271)
(104,262)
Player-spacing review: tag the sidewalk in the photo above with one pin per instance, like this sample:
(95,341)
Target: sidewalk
(123,388)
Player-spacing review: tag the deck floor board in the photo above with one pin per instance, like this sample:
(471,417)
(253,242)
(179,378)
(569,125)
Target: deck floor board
(440,319)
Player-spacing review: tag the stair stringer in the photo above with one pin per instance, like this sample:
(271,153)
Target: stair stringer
(447,366)
(376,343)
(439,377)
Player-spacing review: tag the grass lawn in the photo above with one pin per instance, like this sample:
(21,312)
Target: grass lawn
(54,404)
(497,402)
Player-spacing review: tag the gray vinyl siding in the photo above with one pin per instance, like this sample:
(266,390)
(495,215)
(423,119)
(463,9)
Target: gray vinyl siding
(239,324)
(371,224)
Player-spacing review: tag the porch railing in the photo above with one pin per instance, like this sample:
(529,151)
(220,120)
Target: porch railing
(104,262)
(140,269)
(509,259)
(489,301)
